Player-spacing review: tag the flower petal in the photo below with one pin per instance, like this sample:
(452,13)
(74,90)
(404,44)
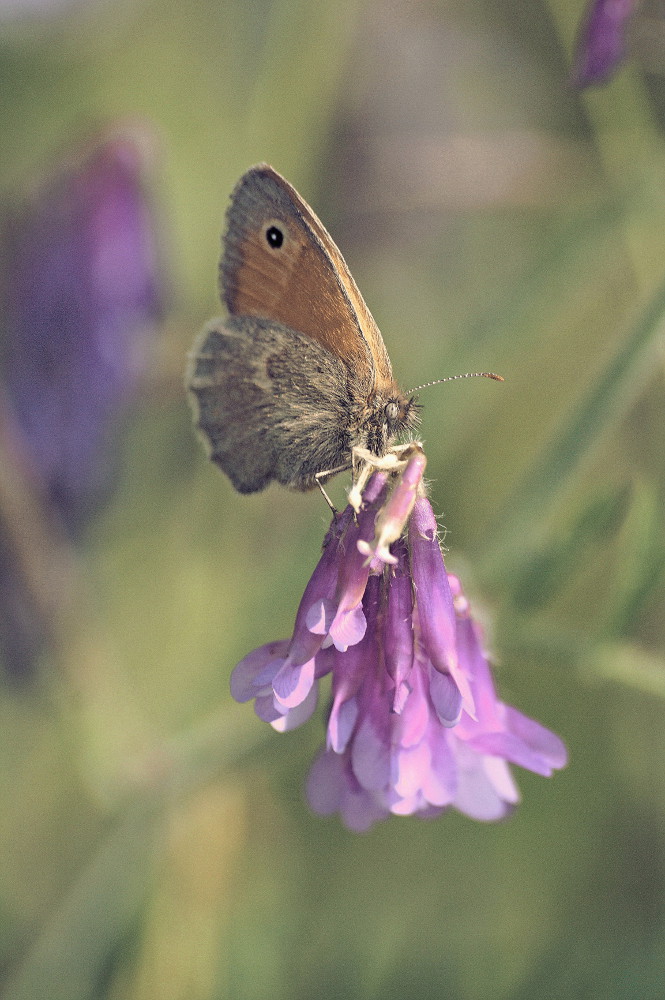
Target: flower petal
(320,588)
(347,629)
(446,698)
(440,782)
(370,757)
(292,684)
(412,764)
(482,793)
(540,739)
(435,613)
(410,726)
(266,709)
(361,810)
(295,717)
(395,512)
(244,676)
(343,718)
(332,788)
(512,749)
(398,628)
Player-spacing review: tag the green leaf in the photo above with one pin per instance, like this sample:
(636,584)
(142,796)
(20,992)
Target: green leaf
(551,567)
(641,556)
(580,437)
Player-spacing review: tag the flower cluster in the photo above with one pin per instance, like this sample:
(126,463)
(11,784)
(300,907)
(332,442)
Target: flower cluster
(415,725)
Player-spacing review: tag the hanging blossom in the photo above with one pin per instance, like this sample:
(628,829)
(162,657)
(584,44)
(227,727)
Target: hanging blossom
(601,43)
(415,725)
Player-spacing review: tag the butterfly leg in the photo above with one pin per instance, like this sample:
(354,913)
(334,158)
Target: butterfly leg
(325,475)
(363,467)
(365,463)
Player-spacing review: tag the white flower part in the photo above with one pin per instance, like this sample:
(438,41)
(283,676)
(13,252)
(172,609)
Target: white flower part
(409,461)
(378,549)
(367,463)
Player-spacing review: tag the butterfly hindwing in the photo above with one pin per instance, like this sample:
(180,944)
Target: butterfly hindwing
(259,421)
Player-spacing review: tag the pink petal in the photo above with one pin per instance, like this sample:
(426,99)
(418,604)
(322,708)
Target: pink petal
(440,784)
(408,806)
(370,757)
(474,663)
(435,613)
(412,767)
(295,717)
(343,718)
(292,684)
(361,810)
(446,698)
(502,778)
(348,628)
(411,725)
(512,749)
(265,708)
(540,739)
(479,792)
(400,696)
(244,676)
(398,626)
(320,616)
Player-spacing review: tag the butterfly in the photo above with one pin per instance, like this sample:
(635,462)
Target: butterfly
(297,378)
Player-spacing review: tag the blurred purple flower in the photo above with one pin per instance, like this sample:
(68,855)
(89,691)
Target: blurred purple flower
(82,293)
(415,724)
(601,43)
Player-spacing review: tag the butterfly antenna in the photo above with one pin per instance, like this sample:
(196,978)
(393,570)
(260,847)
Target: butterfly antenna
(453,378)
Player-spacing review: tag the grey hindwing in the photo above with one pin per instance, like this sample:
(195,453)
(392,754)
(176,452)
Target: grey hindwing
(271,403)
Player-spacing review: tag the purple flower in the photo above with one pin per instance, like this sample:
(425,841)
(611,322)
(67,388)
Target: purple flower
(81,295)
(415,724)
(601,43)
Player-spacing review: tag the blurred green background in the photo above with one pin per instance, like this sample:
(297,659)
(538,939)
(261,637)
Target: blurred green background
(154,839)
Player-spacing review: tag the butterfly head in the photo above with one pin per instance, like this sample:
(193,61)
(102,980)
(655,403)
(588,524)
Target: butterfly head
(387,417)
(401,414)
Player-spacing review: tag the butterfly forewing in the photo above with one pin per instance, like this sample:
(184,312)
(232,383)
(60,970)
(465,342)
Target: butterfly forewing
(280,263)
